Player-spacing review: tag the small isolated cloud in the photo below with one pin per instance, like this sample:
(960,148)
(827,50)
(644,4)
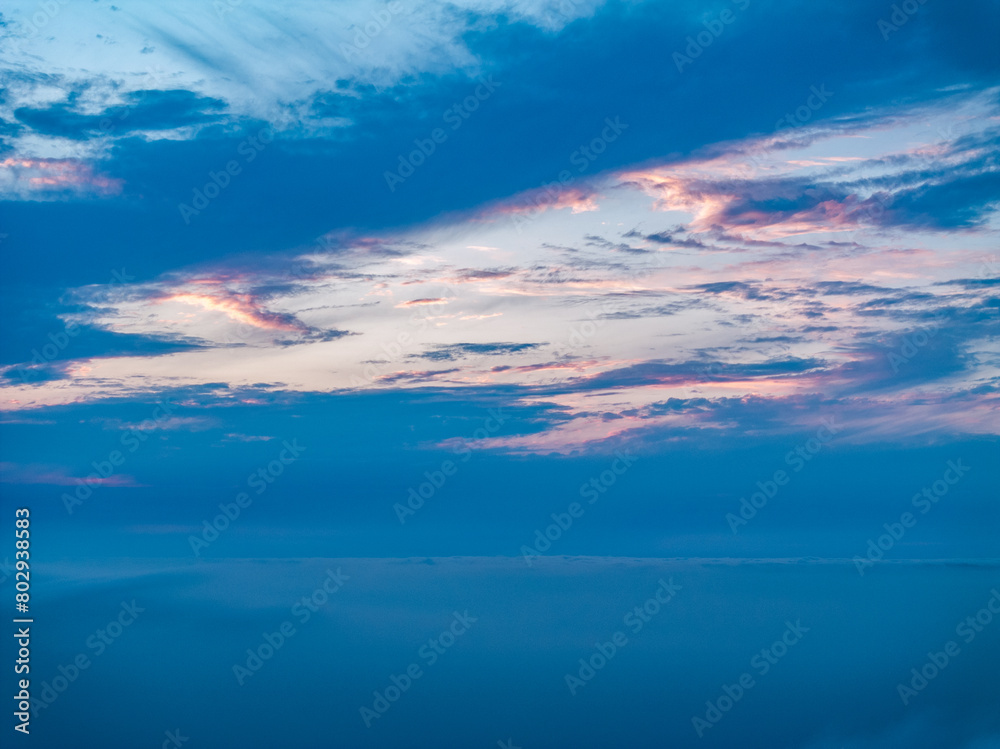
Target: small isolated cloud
(172,423)
(421,302)
(12,473)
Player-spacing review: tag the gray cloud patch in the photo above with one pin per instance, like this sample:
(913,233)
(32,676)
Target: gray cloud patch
(451,352)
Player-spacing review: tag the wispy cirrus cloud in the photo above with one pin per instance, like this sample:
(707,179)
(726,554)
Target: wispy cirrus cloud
(697,279)
(12,473)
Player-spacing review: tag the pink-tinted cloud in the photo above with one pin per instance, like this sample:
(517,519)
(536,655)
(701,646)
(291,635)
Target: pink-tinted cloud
(577,199)
(12,473)
(241,308)
(421,302)
(46,178)
(739,205)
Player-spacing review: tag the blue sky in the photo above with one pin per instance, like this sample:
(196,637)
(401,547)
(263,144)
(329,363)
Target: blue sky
(434,272)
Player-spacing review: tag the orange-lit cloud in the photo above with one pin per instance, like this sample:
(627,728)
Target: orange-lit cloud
(241,308)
